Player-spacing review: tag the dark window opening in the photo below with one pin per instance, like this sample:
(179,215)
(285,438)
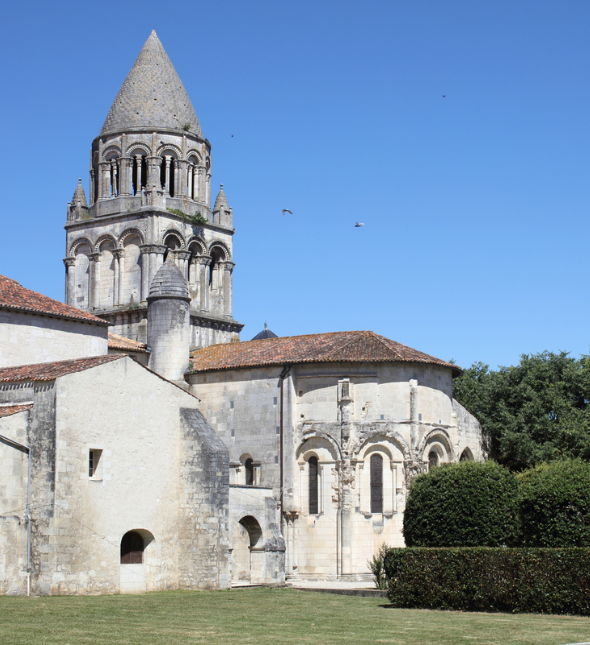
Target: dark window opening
(432,460)
(313,485)
(139,174)
(249,467)
(167,185)
(132,546)
(376,483)
(93,461)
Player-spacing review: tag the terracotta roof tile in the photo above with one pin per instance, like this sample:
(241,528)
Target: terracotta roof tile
(334,347)
(8,410)
(50,371)
(126,344)
(15,296)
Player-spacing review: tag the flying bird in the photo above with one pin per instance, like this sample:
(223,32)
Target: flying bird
(444,97)
(359,224)
(286,210)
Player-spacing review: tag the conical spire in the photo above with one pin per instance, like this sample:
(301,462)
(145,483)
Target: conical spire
(80,195)
(169,282)
(221,201)
(152,95)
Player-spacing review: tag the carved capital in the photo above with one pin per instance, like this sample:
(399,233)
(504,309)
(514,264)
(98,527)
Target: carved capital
(69,262)
(204,260)
(228,266)
(117,253)
(94,257)
(184,255)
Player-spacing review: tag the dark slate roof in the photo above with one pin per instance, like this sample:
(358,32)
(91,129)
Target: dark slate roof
(265,333)
(50,371)
(126,344)
(335,347)
(152,95)
(169,282)
(80,195)
(14,296)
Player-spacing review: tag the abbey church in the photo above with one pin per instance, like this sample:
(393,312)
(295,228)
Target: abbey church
(145,446)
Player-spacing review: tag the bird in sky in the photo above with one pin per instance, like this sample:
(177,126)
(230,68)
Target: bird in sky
(359,224)
(232,135)
(444,97)
(286,210)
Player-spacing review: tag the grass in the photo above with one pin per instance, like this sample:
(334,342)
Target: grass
(262,616)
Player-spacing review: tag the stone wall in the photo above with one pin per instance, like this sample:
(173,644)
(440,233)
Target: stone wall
(341,414)
(31,338)
(13,502)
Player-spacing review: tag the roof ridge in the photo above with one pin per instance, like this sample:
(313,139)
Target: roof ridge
(381,339)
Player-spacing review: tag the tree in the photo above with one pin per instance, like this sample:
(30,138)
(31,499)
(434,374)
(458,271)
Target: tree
(533,412)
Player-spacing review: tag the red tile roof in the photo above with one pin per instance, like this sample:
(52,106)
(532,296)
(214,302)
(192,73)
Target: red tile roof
(14,296)
(335,347)
(126,344)
(50,371)
(8,410)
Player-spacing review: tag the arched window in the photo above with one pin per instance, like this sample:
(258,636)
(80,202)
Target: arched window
(432,459)
(249,468)
(313,485)
(132,546)
(466,455)
(376,483)
(167,174)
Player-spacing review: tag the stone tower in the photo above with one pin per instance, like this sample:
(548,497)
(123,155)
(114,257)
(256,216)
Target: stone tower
(168,331)
(150,199)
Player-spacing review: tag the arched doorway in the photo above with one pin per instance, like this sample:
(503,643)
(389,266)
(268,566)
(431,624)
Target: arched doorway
(133,578)
(246,563)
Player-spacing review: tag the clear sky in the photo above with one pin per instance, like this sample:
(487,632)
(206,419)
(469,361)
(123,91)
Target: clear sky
(475,204)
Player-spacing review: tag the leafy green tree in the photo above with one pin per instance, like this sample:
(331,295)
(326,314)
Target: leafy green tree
(533,412)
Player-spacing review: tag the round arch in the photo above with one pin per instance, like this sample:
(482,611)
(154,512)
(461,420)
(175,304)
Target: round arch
(79,242)
(107,237)
(126,233)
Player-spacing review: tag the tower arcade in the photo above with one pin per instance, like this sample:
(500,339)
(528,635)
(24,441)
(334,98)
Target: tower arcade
(150,197)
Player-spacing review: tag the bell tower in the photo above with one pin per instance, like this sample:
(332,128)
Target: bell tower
(150,199)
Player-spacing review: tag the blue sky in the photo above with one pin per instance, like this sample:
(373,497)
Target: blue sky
(475,244)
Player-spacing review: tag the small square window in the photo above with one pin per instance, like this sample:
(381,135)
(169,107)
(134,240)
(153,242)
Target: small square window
(278,430)
(233,432)
(94,464)
(275,400)
(231,405)
(419,417)
(276,460)
(382,417)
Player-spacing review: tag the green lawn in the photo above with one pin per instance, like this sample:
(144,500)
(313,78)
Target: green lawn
(278,616)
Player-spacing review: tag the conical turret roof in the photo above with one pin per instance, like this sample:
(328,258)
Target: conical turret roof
(152,95)
(80,195)
(221,201)
(169,282)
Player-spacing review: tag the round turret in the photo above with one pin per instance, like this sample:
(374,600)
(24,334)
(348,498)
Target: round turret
(168,332)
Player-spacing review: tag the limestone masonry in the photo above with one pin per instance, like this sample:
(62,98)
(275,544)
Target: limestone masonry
(143,446)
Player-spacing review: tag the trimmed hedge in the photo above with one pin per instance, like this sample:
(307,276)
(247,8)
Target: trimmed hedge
(553,581)
(464,504)
(555,504)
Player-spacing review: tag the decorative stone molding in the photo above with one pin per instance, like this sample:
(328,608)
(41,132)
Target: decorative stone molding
(126,233)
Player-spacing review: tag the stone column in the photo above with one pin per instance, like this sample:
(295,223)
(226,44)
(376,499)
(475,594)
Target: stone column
(125,173)
(159,250)
(138,159)
(182,261)
(414,416)
(204,261)
(94,277)
(92,180)
(228,268)
(118,257)
(189,181)
(145,250)
(153,178)
(181,165)
(208,190)
(104,179)
(70,264)
(168,161)
(200,184)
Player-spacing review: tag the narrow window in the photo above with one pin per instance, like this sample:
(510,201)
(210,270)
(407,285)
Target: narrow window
(249,466)
(376,483)
(132,547)
(94,456)
(432,459)
(313,485)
